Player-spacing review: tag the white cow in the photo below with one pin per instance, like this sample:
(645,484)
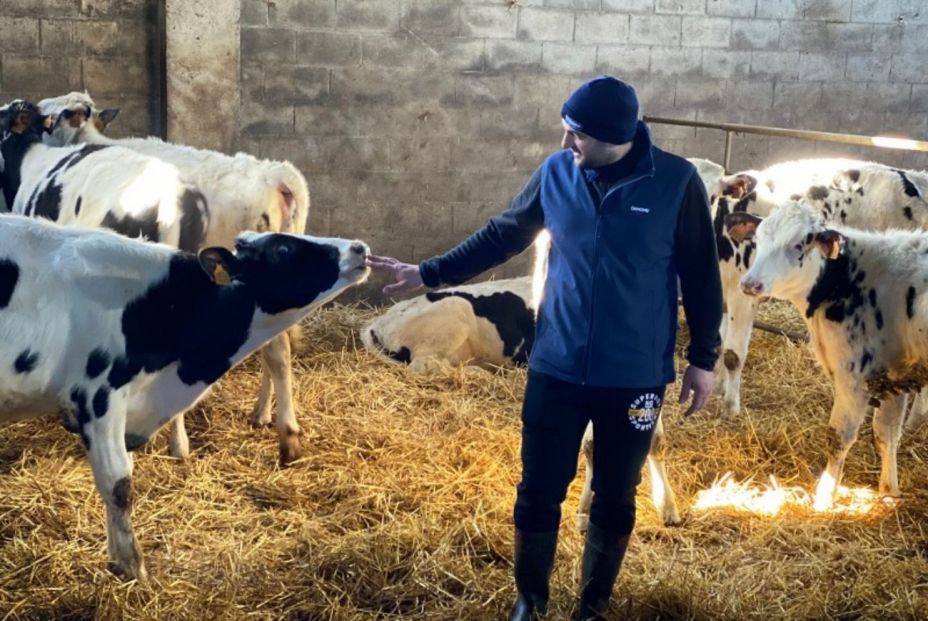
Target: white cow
(864,297)
(243,193)
(119,336)
(864,195)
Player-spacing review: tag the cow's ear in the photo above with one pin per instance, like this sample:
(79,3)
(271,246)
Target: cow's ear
(22,121)
(105,117)
(830,243)
(219,264)
(741,225)
(737,186)
(48,122)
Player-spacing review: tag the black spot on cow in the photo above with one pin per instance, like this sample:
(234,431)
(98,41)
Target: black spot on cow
(854,175)
(122,493)
(79,399)
(865,359)
(818,192)
(907,185)
(835,290)
(737,259)
(97,362)
(194,216)
(809,238)
(145,225)
(186,318)
(134,441)
(859,277)
(910,302)
(848,200)
(9,276)
(860,190)
(907,212)
(101,401)
(45,202)
(513,319)
(795,197)
(878,316)
(748,249)
(843,215)
(26,361)
(77,206)
(871,295)
(731,360)
(723,244)
(403,355)
(48,202)
(745,202)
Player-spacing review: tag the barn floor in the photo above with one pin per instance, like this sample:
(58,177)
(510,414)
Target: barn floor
(401,507)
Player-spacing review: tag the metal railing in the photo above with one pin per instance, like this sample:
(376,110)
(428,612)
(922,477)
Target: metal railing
(885,142)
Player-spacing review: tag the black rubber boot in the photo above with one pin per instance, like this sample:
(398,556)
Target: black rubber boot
(602,558)
(534,558)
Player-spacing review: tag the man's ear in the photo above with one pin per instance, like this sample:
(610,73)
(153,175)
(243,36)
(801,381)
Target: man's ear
(742,225)
(105,117)
(830,243)
(219,264)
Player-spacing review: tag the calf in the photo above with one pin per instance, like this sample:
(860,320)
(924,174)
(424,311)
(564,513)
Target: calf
(489,324)
(864,195)
(243,193)
(863,297)
(119,336)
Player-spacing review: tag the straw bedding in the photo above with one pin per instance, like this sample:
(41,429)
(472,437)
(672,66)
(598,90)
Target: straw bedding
(401,506)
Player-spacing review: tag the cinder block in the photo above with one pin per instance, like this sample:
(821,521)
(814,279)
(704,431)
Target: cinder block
(913,11)
(919,98)
(135,113)
(423,52)
(755,34)
(265,119)
(482,91)
(826,37)
(513,55)
(111,38)
(440,17)
(707,32)
(779,9)
(32,74)
(796,97)
(908,68)
(731,8)
(607,28)
(289,84)
(675,62)
(20,34)
(626,61)
(629,6)
(255,13)
(267,45)
(681,7)
(767,65)
(325,120)
(42,8)
(655,30)
(822,67)
(577,5)
(545,25)
(494,21)
(420,154)
(328,48)
(825,10)
(568,59)
(726,64)
(875,11)
(297,14)
(114,77)
(900,38)
(868,67)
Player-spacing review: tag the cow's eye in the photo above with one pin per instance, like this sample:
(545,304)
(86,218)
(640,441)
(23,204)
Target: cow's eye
(67,114)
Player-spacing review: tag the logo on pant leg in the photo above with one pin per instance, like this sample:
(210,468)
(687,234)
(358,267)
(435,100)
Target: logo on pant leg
(644,410)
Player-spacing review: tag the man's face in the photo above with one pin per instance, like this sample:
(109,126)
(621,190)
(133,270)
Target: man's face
(590,152)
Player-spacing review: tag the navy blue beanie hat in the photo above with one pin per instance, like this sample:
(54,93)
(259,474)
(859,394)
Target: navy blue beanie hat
(604,108)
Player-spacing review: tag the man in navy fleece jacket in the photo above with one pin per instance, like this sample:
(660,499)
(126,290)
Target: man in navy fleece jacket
(626,220)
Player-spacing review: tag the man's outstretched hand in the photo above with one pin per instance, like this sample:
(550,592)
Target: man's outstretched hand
(698,382)
(406,275)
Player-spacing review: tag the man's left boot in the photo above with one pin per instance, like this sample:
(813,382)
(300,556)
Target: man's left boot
(602,558)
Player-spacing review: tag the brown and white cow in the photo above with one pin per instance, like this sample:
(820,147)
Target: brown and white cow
(118,336)
(864,297)
(864,195)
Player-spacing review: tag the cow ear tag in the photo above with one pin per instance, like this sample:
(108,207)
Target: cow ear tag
(221,276)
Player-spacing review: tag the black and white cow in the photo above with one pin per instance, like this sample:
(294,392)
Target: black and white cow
(864,195)
(489,324)
(243,193)
(864,297)
(118,336)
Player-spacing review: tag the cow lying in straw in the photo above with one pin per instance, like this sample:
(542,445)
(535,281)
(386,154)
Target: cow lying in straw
(863,296)
(118,336)
(489,324)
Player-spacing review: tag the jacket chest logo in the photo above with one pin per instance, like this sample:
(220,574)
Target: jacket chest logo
(639,209)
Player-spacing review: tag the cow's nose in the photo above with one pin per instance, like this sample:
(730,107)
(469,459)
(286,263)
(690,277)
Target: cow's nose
(359,248)
(751,287)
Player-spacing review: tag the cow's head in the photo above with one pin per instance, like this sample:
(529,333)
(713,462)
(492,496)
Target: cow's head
(288,272)
(72,114)
(790,244)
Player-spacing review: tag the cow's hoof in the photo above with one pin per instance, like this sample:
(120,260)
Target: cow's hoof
(128,571)
(260,416)
(730,411)
(671,517)
(290,448)
(179,448)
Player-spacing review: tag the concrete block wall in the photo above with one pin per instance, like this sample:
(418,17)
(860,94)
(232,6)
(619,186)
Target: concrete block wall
(415,120)
(50,47)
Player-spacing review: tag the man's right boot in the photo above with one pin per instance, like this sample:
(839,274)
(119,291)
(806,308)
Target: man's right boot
(534,558)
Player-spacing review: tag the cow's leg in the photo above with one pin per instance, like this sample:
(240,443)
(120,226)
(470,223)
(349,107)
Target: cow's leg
(887,429)
(179,443)
(276,357)
(740,320)
(586,496)
(662,495)
(104,435)
(847,414)
(919,411)
(261,413)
